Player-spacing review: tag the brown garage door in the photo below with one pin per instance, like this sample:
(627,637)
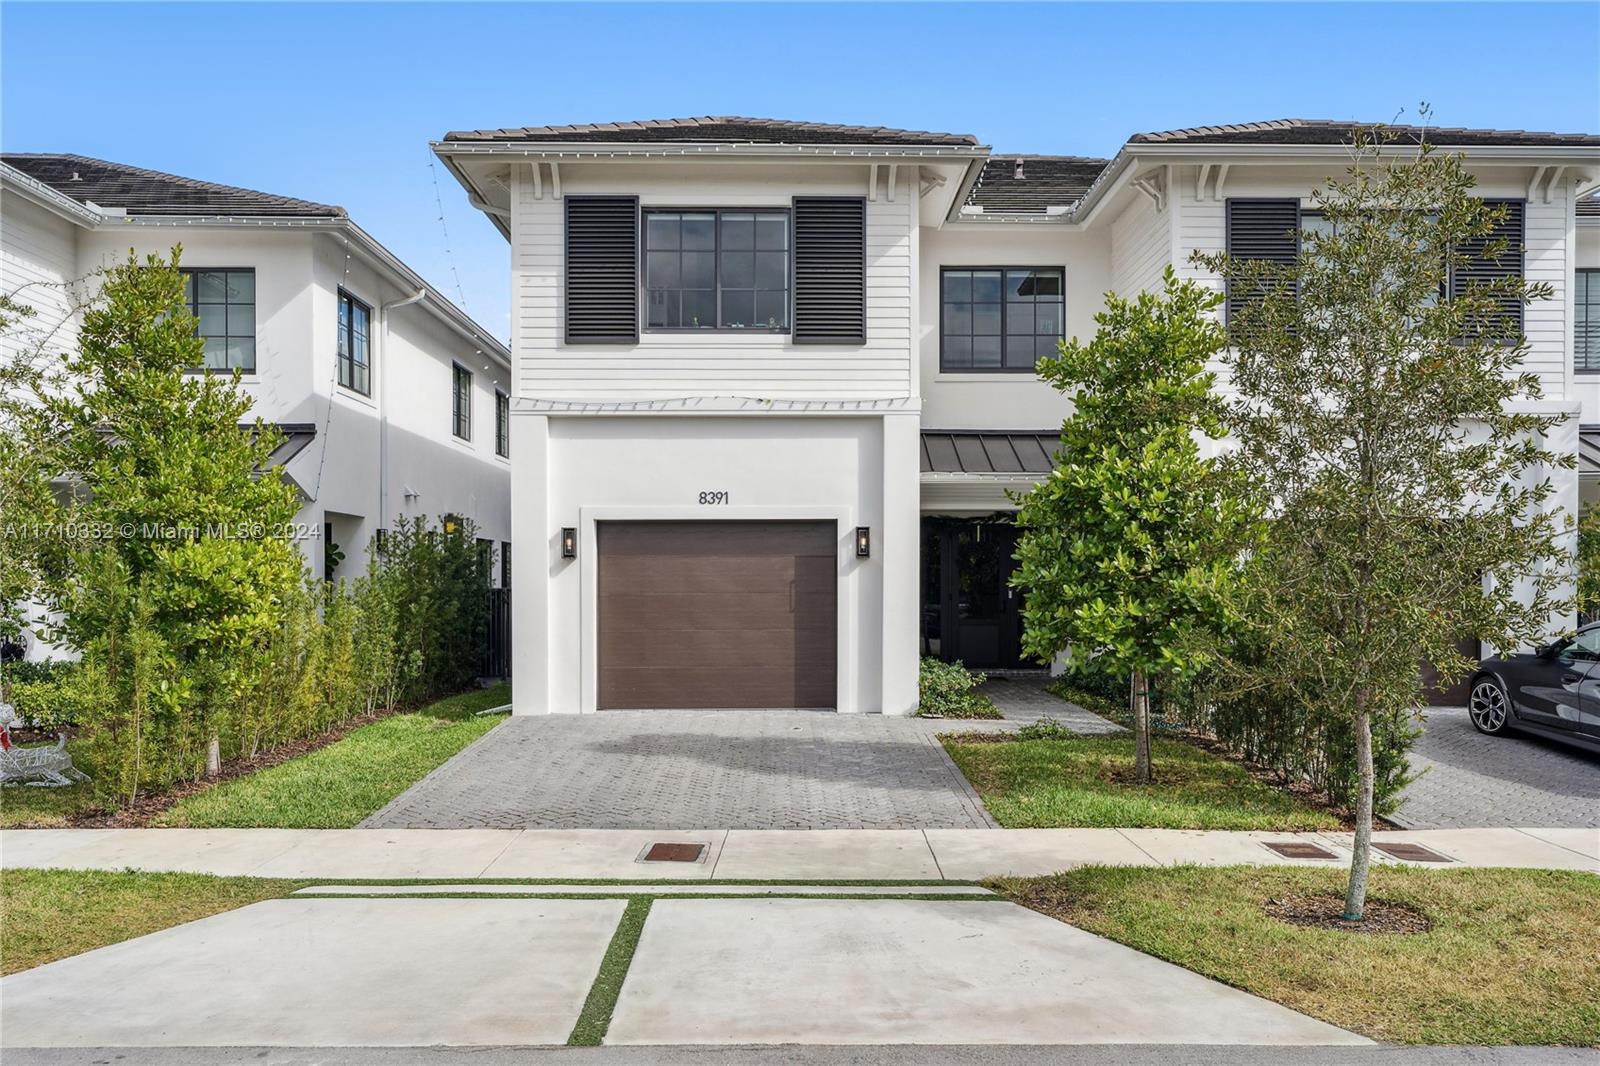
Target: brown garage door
(717,614)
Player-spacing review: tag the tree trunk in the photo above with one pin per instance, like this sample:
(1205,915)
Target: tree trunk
(1355,900)
(213,757)
(1139,698)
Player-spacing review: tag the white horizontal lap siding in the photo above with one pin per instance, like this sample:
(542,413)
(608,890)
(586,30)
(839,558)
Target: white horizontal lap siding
(1201,226)
(686,364)
(1141,248)
(1544,322)
(39,268)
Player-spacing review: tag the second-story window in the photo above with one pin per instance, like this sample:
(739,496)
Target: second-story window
(224,302)
(461,401)
(502,424)
(355,322)
(717,269)
(1586,320)
(1000,319)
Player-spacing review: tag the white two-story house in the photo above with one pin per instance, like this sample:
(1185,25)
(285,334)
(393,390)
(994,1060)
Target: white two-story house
(772,380)
(392,401)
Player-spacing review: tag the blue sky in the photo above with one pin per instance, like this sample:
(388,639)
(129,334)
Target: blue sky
(337,103)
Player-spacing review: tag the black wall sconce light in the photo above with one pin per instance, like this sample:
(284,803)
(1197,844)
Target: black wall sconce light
(569,542)
(863,542)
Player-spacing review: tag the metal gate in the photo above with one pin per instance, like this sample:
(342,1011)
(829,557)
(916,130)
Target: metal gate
(497,645)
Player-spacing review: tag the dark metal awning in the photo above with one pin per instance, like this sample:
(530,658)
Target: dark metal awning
(1589,451)
(992,452)
(296,435)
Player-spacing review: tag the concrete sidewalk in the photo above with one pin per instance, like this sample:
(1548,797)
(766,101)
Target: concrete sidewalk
(925,855)
(412,972)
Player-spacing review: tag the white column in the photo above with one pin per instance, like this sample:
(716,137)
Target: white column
(532,545)
(897,546)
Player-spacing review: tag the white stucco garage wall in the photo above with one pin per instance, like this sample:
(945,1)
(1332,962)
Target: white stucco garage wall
(595,469)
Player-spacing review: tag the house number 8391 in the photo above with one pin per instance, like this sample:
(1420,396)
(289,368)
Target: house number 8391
(714,497)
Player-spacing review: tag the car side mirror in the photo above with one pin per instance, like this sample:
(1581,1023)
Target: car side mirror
(1544,651)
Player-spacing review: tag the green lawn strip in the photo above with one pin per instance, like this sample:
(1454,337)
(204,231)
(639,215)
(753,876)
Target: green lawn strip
(962,897)
(337,786)
(51,914)
(1510,958)
(595,1018)
(732,881)
(1088,781)
(46,808)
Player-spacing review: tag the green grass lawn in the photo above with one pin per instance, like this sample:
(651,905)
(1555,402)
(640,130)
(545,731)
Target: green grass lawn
(1088,781)
(45,808)
(337,786)
(1510,958)
(51,914)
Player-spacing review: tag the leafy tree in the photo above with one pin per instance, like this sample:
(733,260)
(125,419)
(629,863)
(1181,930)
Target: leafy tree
(173,500)
(1377,411)
(1130,544)
(1588,561)
(28,460)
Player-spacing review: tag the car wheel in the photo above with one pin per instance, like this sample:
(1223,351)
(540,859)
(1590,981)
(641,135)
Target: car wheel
(1488,707)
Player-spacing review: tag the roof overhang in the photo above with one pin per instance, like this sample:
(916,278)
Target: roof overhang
(1134,160)
(16,182)
(968,158)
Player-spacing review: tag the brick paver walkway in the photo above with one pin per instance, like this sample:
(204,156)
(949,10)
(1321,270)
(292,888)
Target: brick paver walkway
(1024,699)
(696,770)
(1473,780)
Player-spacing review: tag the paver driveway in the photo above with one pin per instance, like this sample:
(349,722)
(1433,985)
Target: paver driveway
(1516,780)
(696,770)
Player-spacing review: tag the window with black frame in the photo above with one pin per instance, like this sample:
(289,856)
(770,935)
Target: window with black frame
(461,401)
(1001,319)
(1586,320)
(224,303)
(717,269)
(355,330)
(502,424)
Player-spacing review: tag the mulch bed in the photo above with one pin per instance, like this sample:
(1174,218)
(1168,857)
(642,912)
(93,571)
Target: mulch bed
(1327,912)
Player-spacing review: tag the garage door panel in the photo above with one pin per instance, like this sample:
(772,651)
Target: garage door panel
(646,612)
(675,687)
(717,614)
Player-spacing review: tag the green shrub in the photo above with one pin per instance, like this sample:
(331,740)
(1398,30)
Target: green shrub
(948,690)
(1045,729)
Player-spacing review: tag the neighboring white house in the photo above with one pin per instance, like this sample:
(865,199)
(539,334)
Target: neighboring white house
(393,401)
(773,379)
(1586,342)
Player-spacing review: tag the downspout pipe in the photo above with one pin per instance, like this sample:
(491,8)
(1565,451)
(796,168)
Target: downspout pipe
(383,403)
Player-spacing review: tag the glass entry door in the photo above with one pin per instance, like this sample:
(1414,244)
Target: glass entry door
(970,612)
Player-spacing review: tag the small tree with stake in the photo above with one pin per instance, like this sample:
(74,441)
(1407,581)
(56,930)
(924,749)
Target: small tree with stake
(1128,547)
(1377,381)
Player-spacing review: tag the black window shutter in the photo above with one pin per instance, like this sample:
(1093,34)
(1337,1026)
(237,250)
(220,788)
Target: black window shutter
(1478,268)
(602,294)
(1264,230)
(830,270)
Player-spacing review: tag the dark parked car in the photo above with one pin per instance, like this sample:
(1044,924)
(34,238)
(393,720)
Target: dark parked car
(1553,691)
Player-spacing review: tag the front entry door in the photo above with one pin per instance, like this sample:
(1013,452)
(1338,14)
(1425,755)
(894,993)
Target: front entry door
(971,613)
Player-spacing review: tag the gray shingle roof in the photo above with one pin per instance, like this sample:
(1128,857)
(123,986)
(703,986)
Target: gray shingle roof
(151,192)
(722,129)
(989,451)
(1327,131)
(1032,183)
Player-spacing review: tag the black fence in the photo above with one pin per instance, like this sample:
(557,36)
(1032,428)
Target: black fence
(497,648)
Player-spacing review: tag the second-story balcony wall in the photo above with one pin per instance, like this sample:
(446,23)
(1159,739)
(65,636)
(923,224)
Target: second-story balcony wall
(762,362)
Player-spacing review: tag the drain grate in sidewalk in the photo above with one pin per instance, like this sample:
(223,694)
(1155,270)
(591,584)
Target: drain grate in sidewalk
(665,852)
(1410,852)
(1294,849)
